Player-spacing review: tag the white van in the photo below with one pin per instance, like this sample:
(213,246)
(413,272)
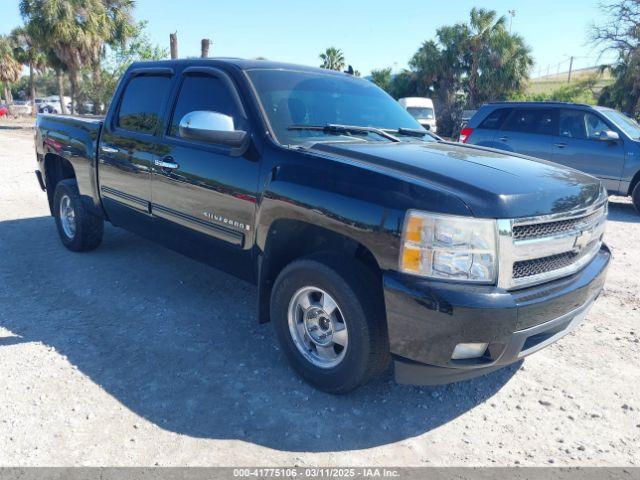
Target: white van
(422,110)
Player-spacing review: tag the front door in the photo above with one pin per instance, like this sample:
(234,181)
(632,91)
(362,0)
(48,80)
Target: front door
(579,146)
(204,197)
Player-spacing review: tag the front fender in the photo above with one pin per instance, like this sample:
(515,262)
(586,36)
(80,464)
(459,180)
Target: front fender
(357,202)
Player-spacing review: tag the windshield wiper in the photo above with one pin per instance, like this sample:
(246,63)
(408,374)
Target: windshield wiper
(334,128)
(413,132)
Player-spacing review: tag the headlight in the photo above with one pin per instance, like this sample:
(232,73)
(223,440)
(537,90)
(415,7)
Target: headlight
(449,247)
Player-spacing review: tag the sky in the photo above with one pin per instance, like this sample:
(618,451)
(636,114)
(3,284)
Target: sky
(372,34)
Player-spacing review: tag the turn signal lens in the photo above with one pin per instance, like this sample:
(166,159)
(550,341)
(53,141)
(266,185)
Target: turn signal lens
(414,229)
(411,259)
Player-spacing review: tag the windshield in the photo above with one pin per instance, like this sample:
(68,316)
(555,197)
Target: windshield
(628,125)
(421,113)
(296,99)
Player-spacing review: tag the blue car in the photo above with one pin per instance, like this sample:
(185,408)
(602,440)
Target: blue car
(600,141)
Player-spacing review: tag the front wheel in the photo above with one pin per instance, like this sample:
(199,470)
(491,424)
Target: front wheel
(328,315)
(79,229)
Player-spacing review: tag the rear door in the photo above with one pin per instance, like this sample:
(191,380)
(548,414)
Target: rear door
(579,146)
(485,132)
(528,131)
(129,145)
(206,198)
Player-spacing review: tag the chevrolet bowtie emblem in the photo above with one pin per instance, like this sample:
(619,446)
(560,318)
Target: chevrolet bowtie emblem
(582,240)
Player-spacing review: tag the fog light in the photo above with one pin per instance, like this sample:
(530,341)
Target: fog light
(469,350)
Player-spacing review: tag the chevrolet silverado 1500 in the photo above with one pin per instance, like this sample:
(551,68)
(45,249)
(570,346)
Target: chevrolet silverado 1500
(370,239)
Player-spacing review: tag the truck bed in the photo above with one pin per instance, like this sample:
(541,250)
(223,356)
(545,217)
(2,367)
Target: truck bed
(74,138)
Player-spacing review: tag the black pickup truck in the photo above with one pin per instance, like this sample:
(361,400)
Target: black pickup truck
(369,239)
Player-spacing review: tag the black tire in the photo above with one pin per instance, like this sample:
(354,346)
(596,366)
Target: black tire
(89,227)
(635,197)
(358,295)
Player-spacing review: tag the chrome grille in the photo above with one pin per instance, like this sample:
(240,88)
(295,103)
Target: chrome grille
(528,268)
(539,249)
(551,228)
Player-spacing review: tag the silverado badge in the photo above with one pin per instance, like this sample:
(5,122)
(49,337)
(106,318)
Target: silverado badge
(227,221)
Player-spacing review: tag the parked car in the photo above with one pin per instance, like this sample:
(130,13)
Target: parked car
(21,107)
(39,101)
(367,239)
(597,140)
(52,104)
(422,110)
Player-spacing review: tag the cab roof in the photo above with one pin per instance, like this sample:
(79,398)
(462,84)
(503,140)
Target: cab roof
(240,63)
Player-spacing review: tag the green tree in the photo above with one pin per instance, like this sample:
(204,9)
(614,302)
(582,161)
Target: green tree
(10,67)
(114,25)
(467,64)
(60,69)
(403,85)
(382,77)
(45,84)
(38,16)
(75,30)
(28,51)
(438,69)
(332,59)
(620,33)
(500,61)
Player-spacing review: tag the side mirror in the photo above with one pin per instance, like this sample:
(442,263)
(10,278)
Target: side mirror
(212,127)
(609,136)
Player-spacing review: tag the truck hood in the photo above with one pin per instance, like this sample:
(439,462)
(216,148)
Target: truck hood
(491,183)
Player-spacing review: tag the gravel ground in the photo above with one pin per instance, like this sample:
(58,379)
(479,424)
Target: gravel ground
(134,355)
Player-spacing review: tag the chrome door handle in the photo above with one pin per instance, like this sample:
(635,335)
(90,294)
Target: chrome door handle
(504,139)
(560,145)
(166,163)
(107,149)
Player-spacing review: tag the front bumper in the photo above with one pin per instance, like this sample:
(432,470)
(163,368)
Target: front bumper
(427,319)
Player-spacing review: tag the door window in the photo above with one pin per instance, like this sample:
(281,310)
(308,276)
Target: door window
(581,125)
(495,119)
(202,92)
(539,121)
(142,102)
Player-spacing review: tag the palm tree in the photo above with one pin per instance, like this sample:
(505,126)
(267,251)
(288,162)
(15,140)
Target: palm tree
(74,30)
(60,69)
(382,78)
(332,59)
(484,26)
(28,51)
(505,68)
(499,61)
(10,68)
(113,24)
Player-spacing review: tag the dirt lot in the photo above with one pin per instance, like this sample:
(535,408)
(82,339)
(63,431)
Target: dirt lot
(134,355)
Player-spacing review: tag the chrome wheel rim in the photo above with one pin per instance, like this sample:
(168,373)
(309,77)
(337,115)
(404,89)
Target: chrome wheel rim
(67,217)
(317,327)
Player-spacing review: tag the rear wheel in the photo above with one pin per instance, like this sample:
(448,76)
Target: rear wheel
(329,318)
(79,229)
(635,196)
